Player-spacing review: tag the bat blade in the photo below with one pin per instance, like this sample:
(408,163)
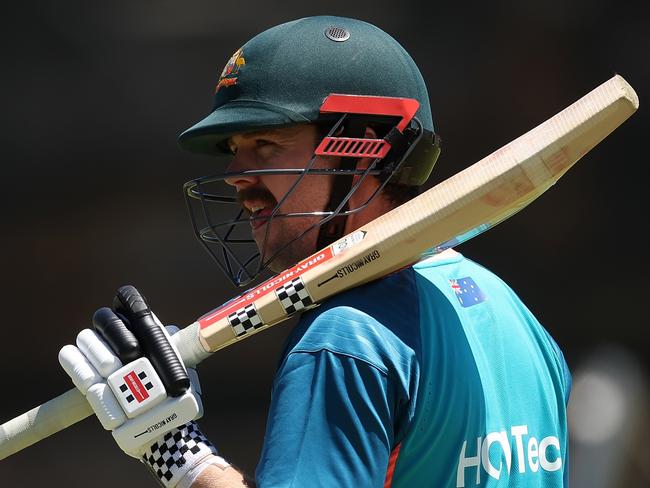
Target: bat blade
(452,212)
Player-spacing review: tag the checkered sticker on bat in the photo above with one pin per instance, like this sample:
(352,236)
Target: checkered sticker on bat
(293,296)
(244,320)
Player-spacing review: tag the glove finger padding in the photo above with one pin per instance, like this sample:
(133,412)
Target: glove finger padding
(115,392)
(116,334)
(100,355)
(78,368)
(129,302)
(105,405)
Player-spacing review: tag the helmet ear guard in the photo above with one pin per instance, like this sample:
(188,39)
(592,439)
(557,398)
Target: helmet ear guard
(418,164)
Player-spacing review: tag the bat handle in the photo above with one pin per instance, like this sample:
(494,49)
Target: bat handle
(189,345)
(43,421)
(71,407)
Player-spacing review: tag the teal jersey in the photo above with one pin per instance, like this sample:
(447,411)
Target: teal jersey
(436,376)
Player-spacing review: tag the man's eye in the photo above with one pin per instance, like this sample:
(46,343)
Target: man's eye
(264,142)
(266,148)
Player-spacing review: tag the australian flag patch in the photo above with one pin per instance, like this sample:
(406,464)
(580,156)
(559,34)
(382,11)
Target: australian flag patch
(467,291)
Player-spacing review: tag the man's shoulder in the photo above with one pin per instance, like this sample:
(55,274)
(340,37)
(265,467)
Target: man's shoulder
(377,322)
(381,320)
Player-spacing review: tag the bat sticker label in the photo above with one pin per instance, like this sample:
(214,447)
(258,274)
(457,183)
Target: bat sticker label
(293,296)
(358,264)
(244,320)
(297,270)
(267,287)
(348,241)
(348,269)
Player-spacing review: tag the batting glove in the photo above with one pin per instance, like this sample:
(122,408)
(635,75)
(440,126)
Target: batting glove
(138,387)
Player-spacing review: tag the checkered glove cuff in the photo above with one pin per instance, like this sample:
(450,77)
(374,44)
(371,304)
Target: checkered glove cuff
(176,453)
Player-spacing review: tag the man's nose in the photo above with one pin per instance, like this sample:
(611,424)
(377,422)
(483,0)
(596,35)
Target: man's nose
(238,165)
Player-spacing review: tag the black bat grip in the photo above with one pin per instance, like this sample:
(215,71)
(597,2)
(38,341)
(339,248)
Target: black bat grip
(130,303)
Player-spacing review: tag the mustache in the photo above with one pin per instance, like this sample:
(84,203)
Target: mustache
(256,194)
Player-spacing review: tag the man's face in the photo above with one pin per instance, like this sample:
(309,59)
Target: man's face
(285,148)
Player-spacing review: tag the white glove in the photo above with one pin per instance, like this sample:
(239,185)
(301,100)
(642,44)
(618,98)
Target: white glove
(131,401)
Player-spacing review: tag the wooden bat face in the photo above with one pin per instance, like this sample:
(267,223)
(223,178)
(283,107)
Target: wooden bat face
(452,212)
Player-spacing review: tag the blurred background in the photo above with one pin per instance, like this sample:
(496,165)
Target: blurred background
(94,95)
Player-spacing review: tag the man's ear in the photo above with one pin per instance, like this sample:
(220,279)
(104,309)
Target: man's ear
(369,133)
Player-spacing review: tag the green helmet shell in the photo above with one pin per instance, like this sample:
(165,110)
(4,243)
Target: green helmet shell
(281,77)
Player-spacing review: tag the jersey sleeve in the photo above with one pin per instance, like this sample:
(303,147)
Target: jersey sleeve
(329,424)
(566,373)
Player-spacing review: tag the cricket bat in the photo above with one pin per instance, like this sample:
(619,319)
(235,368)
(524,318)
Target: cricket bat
(448,214)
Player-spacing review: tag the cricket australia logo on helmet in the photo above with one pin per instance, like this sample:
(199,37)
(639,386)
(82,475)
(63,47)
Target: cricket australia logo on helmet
(230,73)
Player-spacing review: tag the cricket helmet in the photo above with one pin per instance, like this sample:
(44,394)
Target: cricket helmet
(282,76)
(339,73)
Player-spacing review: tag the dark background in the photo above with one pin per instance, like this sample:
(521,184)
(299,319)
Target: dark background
(94,95)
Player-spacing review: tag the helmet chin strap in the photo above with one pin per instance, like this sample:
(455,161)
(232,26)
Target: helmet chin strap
(334,229)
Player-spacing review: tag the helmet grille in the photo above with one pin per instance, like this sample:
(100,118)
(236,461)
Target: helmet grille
(337,34)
